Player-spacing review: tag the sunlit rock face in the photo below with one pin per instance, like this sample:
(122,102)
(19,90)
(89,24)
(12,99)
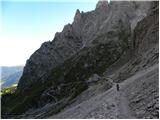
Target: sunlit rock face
(109,26)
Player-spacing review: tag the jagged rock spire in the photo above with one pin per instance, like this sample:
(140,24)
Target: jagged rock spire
(101,4)
(77,15)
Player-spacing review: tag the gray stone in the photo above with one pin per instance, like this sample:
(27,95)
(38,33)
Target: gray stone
(110,20)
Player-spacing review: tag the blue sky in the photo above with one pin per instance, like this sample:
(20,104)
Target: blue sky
(27,24)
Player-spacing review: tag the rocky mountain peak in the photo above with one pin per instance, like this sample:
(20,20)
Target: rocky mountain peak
(101,4)
(86,28)
(77,15)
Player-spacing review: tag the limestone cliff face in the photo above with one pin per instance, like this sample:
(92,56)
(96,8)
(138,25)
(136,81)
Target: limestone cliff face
(110,24)
(146,32)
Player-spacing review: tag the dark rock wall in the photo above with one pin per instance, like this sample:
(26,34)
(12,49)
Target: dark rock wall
(108,23)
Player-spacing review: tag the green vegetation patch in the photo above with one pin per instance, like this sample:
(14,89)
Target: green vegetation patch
(8,90)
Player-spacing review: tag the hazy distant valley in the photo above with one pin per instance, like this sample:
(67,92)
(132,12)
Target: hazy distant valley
(10,75)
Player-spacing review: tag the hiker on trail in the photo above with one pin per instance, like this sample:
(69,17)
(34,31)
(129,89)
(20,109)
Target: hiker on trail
(117,86)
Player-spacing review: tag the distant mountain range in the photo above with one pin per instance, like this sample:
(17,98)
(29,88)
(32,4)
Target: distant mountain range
(10,75)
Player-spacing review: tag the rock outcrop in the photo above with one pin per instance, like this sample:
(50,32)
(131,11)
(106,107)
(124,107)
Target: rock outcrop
(111,23)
